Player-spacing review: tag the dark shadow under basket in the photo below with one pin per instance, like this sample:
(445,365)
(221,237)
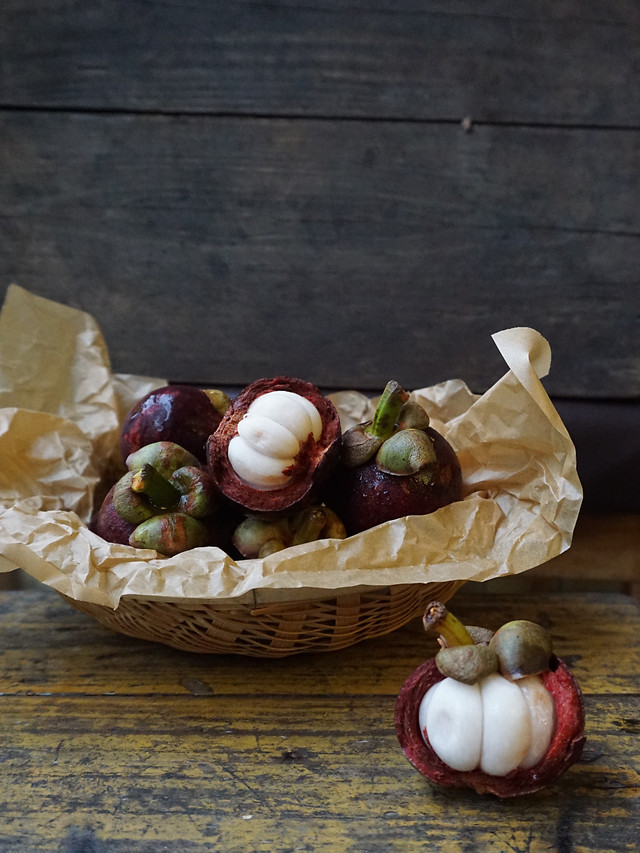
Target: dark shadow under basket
(271,630)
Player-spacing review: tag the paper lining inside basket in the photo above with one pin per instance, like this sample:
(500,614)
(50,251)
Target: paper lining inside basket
(59,429)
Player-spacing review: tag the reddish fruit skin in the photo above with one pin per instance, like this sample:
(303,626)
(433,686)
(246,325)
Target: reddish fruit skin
(314,462)
(108,524)
(182,414)
(564,750)
(365,496)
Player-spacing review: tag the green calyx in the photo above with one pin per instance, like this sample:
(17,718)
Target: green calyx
(255,537)
(523,648)
(462,655)
(165,456)
(406,452)
(468,653)
(198,495)
(413,416)
(396,436)
(169,533)
(158,490)
(467,663)
(164,493)
(358,445)
(130,504)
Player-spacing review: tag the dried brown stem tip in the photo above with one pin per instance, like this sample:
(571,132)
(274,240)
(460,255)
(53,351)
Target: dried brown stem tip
(437,619)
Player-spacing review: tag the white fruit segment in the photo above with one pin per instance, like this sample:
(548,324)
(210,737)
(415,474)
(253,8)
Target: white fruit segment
(256,469)
(452,715)
(542,710)
(269,438)
(289,410)
(506,725)
(495,725)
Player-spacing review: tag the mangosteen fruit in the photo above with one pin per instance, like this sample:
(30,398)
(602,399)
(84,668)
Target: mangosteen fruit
(464,722)
(393,466)
(259,537)
(183,414)
(165,502)
(277,443)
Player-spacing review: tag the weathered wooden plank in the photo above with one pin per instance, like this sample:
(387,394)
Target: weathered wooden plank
(495,61)
(252,773)
(225,249)
(261,762)
(56,650)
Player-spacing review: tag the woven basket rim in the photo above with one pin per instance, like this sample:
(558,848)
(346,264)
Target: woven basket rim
(267,597)
(273,630)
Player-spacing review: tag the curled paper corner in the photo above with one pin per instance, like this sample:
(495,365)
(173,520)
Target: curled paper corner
(528,356)
(524,348)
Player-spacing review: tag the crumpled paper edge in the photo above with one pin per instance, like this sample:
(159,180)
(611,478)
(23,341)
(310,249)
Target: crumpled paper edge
(34,532)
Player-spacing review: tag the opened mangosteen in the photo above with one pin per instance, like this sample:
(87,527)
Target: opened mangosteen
(183,414)
(503,716)
(392,466)
(277,443)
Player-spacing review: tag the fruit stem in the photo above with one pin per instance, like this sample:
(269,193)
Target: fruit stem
(387,411)
(310,526)
(157,489)
(438,619)
(219,400)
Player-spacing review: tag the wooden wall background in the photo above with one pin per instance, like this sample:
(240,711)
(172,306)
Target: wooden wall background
(340,190)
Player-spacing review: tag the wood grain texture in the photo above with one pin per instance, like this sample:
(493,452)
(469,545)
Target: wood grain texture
(548,62)
(326,775)
(224,249)
(63,645)
(238,190)
(112,745)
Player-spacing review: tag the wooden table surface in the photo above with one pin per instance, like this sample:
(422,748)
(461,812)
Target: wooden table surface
(112,744)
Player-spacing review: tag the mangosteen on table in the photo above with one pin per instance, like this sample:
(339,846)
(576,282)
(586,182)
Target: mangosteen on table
(183,414)
(277,443)
(393,466)
(497,713)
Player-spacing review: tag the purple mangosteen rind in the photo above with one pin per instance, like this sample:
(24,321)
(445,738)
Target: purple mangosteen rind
(315,461)
(364,496)
(108,524)
(182,414)
(564,750)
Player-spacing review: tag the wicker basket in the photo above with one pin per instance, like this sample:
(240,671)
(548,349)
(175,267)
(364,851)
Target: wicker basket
(272,630)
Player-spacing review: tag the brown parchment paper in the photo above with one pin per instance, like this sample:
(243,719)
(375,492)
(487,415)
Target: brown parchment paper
(59,436)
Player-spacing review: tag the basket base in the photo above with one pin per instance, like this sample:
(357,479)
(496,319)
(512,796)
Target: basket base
(272,630)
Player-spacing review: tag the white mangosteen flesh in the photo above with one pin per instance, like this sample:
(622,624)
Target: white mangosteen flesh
(269,438)
(495,725)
